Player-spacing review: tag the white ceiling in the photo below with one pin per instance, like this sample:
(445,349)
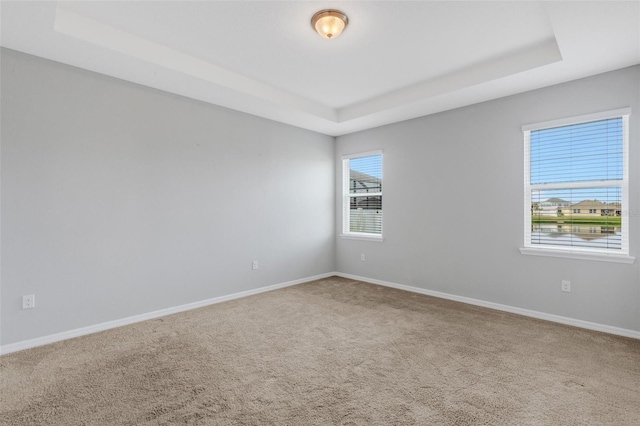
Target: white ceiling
(395,61)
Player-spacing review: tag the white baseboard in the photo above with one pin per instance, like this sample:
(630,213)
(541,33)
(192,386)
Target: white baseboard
(506,308)
(52,338)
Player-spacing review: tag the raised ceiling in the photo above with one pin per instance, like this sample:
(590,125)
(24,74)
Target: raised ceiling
(395,60)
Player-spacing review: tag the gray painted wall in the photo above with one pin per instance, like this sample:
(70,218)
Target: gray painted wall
(119,200)
(469,163)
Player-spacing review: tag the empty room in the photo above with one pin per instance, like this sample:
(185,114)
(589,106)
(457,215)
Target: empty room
(310,212)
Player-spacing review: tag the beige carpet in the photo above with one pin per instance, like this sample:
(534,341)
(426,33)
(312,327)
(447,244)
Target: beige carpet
(332,351)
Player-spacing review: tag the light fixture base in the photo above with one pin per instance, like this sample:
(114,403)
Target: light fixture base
(329,23)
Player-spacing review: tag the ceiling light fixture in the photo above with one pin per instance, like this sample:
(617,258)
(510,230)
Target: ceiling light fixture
(329,23)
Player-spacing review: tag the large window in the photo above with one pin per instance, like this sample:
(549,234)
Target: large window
(576,184)
(362,195)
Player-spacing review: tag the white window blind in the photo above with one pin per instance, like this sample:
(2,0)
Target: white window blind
(576,184)
(362,194)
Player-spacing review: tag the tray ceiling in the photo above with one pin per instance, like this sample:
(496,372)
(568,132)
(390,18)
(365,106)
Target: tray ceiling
(395,61)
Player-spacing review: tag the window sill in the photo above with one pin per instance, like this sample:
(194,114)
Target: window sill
(364,237)
(582,255)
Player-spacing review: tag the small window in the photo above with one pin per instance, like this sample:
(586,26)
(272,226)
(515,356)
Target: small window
(580,163)
(362,195)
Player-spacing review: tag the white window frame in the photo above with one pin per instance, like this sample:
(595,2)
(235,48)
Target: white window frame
(346,199)
(620,256)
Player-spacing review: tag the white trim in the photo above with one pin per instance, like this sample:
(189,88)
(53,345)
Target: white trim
(577,120)
(527,186)
(577,185)
(362,154)
(505,308)
(347,195)
(52,338)
(362,236)
(576,254)
(625,182)
(364,194)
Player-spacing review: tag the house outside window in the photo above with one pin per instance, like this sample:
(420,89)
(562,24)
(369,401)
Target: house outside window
(579,167)
(362,195)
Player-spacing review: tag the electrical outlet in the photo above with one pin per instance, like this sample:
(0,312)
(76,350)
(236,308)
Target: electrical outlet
(363,257)
(29,301)
(566,286)
(254,265)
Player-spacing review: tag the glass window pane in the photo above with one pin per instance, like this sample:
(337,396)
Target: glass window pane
(584,217)
(580,152)
(365,214)
(365,174)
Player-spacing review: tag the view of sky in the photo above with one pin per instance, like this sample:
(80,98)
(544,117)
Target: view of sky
(371,165)
(586,152)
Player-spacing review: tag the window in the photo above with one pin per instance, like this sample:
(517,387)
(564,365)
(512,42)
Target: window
(582,164)
(362,195)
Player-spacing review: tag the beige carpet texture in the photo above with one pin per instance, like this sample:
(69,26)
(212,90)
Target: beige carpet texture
(328,352)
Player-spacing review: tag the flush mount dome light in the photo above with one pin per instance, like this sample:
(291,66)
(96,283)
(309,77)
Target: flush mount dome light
(329,23)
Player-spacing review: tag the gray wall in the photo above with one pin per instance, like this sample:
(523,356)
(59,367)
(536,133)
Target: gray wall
(119,200)
(453,206)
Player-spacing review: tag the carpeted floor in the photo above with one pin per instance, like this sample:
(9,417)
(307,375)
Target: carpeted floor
(332,351)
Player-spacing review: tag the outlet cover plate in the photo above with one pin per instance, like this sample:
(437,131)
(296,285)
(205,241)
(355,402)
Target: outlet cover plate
(29,301)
